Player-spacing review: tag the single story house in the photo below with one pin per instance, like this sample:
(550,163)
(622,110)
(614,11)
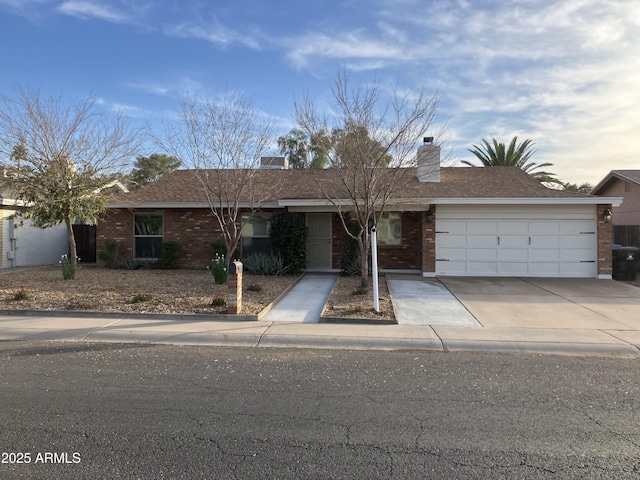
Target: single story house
(495,221)
(625,184)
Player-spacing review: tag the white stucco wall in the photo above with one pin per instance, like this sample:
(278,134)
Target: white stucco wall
(31,246)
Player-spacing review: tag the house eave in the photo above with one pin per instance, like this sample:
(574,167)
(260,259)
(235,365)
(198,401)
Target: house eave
(179,205)
(614,201)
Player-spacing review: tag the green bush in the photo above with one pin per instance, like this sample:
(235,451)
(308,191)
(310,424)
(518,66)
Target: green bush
(350,261)
(169,252)
(218,269)
(22,295)
(288,237)
(262,264)
(140,298)
(109,253)
(69,269)
(219,301)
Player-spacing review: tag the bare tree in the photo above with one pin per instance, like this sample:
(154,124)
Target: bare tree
(222,139)
(61,157)
(374,140)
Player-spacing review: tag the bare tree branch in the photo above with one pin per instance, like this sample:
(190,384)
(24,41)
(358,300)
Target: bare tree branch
(373,140)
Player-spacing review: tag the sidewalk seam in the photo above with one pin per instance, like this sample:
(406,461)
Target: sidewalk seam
(620,340)
(444,348)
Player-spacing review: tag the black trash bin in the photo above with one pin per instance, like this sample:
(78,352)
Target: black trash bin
(625,263)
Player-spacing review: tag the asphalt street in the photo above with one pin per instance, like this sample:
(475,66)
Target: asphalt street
(82,410)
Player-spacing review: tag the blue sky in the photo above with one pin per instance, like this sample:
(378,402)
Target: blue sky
(565,74)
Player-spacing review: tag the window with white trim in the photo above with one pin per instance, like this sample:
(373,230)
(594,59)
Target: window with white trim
(255,234)
(147,235)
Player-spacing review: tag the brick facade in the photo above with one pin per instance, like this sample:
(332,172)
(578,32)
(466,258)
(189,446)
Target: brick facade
(605,242)
(195,230)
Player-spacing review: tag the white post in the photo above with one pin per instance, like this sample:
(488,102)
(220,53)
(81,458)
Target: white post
(374,269)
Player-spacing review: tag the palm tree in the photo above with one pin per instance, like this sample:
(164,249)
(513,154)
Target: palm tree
(497,155)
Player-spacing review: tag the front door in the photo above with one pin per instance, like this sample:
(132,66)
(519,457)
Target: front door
(319,240)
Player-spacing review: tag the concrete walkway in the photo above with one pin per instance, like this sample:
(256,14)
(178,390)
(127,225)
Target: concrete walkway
(559,316)
(305,302)
(420,301)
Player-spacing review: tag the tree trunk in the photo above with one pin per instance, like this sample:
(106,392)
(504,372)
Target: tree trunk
(73,255)
(364,263)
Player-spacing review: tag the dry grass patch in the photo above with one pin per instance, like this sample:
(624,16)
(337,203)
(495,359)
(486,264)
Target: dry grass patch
(142,291)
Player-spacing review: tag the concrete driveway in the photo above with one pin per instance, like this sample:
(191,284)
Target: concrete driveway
(556,303)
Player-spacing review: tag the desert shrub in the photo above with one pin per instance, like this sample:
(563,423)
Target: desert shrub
(263,264)
(109,253)
(69,269)
(140,298)
(288,236)
(132,264)
(169,252)
(219,301)
(218,269)
(22,295)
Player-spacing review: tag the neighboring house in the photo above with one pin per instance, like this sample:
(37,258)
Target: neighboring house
(22,246)
(625,184)
(495,221)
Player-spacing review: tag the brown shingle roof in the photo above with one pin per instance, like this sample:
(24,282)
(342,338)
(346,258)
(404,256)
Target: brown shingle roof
(182,186)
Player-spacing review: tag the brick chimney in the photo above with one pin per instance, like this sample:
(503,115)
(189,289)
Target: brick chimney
(429,161)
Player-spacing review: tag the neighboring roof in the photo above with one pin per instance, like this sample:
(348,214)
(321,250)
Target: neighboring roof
(613,175)
(297,186)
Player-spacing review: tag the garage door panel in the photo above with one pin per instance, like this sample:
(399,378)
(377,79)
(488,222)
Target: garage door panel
(452,254)
(576,242)
(451,267)
(482,254)
(482,241)
(513,228)
(545,241)
(483,268)
(578,269)
(576,227)
(452,226)
(513,241)
(482,228)
(544,228)
(452,241)
(535,247)
(577,255)
(544,255)
(513,255)
(514,268)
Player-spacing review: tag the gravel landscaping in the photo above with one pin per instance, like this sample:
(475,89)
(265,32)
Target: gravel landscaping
(98,289)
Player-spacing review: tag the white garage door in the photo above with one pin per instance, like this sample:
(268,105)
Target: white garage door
(527,246)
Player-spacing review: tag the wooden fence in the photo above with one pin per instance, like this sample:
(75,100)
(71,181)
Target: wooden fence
(627,235)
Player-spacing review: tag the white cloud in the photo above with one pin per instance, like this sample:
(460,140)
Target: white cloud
(212,31)
(85,9)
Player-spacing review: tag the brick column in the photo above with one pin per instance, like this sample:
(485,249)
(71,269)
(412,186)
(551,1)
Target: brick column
(429,243)
(605,243)
(234,288)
